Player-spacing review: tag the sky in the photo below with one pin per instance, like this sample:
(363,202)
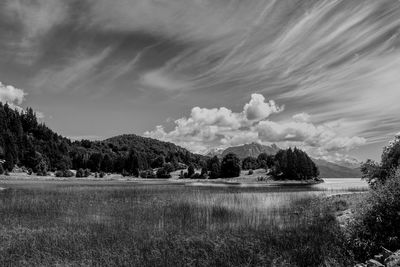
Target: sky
(322,75)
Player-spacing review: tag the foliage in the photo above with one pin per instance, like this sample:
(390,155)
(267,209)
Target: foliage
(102,174)
(41,168)
(148,174)
(169,167)
(82,173)
(377,223)
(265,161)
(214,167)
(373,172)
(163,173)
(230,166)
(294,165)
(1,169)
(250,172)
(64,173)
(190,171)
(250,163)
(377,173)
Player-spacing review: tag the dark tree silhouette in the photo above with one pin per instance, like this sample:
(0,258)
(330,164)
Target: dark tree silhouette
(230,166)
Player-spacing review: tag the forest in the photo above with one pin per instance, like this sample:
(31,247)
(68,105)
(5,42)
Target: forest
(24,141)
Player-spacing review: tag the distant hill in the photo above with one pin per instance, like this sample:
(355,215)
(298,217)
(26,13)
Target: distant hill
(342,169)
(332,170)
(251,150)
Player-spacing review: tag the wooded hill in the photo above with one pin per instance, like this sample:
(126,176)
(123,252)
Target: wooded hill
(26,142)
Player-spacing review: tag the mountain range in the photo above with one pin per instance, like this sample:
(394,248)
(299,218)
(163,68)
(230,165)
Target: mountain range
(328,169)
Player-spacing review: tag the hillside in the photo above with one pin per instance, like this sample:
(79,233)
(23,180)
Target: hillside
(331,170)
(26,142)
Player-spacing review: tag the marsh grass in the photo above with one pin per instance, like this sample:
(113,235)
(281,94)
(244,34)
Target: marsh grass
(158,225)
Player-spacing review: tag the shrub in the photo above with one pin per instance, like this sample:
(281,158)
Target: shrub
(190,171)
(64,173)
(169,167)
(250,172)
(1,169)
(214,166)
(162,173)
(124,173)
(197,176)
(250,163)
(101,175)
(81,173)
(41,168)
(148,174)
(377,224)
(230,166)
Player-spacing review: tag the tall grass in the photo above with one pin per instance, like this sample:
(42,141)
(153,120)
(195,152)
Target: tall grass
(150,225)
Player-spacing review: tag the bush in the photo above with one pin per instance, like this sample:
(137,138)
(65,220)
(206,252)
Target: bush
(190,171)
(214,167)
(162,173)
(64,173)
(102,174)
(148,174)
(377,224)
(198,176)
(250,172)
(230,166)
(1,169)
(81,173)
(250,163)
(41,168)
(169,167)
(124,173)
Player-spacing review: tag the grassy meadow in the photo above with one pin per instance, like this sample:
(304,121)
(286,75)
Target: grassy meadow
(89,223)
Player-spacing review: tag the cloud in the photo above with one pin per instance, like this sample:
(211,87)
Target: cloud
(79,70)
(302,117)
(10,94)
(211,126)
(257,109)
(37,18)
(221,127)
(161,80)
(321,136)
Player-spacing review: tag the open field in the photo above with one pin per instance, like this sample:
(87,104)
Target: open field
(157,224)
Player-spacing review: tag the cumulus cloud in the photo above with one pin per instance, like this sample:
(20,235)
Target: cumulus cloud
(302,117)
(217,125)
(257,109)
(308,134)
(10,94)
(221,127)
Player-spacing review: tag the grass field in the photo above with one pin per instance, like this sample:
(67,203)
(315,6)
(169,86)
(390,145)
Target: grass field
(126,224)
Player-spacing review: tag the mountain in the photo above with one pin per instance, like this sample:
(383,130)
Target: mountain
(332,170)
(251,150)
(339,169)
